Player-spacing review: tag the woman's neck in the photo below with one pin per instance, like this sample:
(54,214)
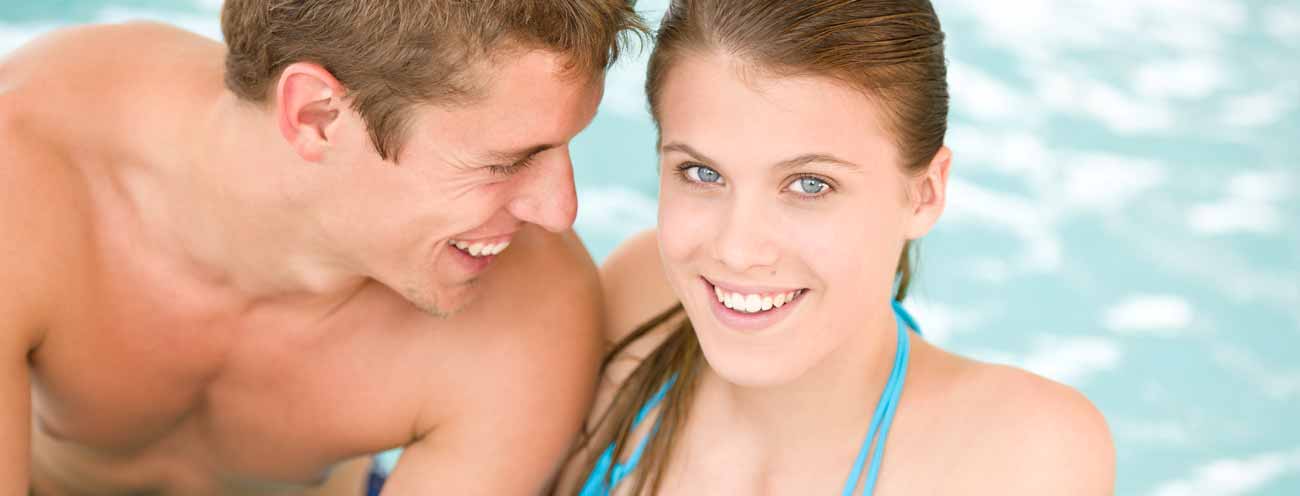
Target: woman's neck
(823,412)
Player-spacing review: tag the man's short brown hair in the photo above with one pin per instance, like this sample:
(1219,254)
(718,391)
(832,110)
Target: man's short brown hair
(392,54)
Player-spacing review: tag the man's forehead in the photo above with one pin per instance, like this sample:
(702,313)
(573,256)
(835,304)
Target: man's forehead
(525,109)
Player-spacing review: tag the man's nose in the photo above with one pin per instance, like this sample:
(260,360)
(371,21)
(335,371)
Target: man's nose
(547,197)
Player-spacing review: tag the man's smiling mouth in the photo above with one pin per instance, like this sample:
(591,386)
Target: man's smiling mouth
(478,249)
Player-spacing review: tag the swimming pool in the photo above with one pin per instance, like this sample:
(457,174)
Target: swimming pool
(1123,216)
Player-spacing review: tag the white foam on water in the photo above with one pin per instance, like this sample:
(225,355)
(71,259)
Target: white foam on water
(978,94)
(1062,182)
(1233,476)
(1175,46)
(940,321)
(1189,78)
(625,88)
(1162,315)
(615,211)
(1252,205)
(213,5)
(990,270)
(1072,359)
(1012,152)
(970,203)
(1162,432)
(1282,22)
(1234,217)
(1272,381)
(1119,109)
(1233,275)
(1109,183)
(1259,108)
(1040,31)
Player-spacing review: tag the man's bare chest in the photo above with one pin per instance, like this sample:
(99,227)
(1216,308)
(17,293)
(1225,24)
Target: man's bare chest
(152,378)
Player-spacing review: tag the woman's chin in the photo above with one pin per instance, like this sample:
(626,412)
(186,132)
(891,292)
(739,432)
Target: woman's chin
(752,366)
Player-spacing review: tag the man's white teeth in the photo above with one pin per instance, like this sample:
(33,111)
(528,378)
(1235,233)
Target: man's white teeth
(754,303)
(480,249)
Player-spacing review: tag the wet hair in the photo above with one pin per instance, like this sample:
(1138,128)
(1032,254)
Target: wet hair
(393,54)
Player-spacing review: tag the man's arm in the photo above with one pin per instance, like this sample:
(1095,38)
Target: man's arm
(524,386)
(15,410)
(25,255)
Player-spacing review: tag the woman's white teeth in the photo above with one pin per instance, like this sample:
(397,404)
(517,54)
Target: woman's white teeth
(754,303)
(480,249)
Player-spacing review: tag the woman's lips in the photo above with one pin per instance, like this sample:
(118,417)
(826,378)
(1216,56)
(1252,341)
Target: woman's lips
(750,308)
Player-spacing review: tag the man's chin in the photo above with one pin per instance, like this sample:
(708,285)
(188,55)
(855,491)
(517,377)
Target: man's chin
(445,303)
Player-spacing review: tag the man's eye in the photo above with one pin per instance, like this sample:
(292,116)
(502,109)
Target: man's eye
(702,174)
(506,170)
(808,186)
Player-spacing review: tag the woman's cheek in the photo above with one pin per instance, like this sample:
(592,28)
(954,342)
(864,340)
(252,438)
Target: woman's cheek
(683,225)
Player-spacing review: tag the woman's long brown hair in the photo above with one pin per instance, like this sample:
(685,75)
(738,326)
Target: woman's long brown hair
(891,50)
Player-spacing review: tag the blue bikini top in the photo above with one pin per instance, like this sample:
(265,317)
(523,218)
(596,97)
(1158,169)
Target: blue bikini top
(606,475)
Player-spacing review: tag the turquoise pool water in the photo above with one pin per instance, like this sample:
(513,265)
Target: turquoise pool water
(1123,215)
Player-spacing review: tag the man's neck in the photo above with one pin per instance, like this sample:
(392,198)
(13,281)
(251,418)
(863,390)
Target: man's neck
(230,205)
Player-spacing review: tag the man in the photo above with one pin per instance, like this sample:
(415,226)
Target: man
(229,270)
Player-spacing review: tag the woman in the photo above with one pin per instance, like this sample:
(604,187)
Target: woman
(801,146)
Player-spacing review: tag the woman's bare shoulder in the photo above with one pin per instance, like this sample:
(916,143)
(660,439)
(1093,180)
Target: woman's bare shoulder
(635,287)
(1021,433)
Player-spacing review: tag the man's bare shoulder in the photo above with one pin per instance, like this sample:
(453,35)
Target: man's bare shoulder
(85,42)
(1025,434)
(539,309)
(89,68)
(521,379)
(42,207)
(544,275)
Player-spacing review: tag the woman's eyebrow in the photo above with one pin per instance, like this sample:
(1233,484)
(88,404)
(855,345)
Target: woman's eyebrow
(790,163)
(823,158)
(685,148)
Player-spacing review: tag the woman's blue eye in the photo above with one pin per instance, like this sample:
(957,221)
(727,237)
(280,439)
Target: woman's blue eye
(702,174)
(808,186)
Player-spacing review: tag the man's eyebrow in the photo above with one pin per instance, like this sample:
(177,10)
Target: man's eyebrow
(790,163)
(519,155)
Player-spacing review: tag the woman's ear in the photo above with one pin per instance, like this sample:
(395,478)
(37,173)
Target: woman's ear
(307,101)
(931,194)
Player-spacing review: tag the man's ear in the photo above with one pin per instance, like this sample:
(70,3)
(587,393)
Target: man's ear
(931,194)
(307,106)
